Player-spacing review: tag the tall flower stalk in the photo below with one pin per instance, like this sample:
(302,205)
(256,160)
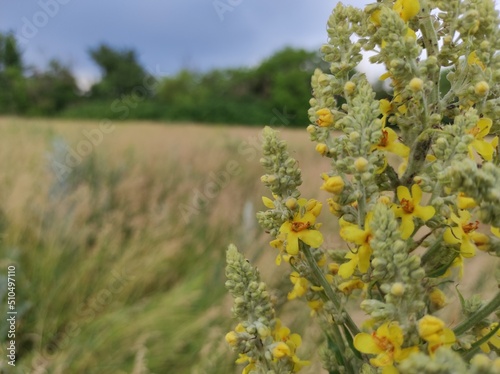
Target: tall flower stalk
(414,185)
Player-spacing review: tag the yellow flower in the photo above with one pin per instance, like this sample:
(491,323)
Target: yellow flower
(437,298)
(268,202)
(410,207)
(300,285)
(322,149)
(385,108)
(462,233)
(464,202)
(315,305)
(480,145)
(302,227)
(282,337)
(348,286)
(243,358)
(495,231)
(334,207)
(472,59)
(333,184)
(354,234)
(281,350)
(386,344)
(407,9)
(325,117)
(389,143)
(433,331)
(375,17)
(494,340)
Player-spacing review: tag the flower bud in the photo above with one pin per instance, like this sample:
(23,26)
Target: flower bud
(325,117)
(416,84)
(333,184)
(311,129)
(360,164)
(398,289)
(322,149)
(349,87)
(291,203)
(481,88)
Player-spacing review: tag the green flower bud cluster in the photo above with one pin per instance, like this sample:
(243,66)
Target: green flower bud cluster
(282,178)
(398,273)
(251,299)
(482,184)
(341,52)
(446,361)
(260,339)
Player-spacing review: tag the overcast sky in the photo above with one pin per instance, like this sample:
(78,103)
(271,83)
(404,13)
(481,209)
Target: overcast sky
(167,34)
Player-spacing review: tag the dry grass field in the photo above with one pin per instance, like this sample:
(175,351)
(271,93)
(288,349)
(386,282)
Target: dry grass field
(118,234)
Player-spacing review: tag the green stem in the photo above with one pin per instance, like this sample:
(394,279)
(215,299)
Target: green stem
(320,277)
(429,37)
(478,316)
(417,158)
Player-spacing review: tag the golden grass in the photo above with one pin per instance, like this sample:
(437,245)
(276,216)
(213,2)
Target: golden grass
(108,250)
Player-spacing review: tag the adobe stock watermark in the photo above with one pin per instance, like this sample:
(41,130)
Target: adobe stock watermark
(212,187)
(224,6)
(92,138)
(48,9)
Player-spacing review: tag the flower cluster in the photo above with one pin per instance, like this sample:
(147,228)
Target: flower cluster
(414,188)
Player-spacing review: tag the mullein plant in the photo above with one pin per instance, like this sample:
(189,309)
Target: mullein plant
(414,185)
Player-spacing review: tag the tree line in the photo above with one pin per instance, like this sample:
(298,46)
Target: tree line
(126,90)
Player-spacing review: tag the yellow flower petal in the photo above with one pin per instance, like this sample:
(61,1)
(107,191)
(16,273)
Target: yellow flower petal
(268,202)
(407,226)
(416,193)
(353,234)
(292,246)
(452,235)
(495,231)
(484,148)
(407,9)
(347,268)
(313,238)
(375,17)
(390,370)
(425,213)
(464,202)
(365,343)
(364,254)
(403,193)
(467,249)
(382,360)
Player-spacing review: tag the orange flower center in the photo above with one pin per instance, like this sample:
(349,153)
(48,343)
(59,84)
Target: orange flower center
(383,343)
(471,226)
(385,139)
(407,206)
(474,131)
(300,226)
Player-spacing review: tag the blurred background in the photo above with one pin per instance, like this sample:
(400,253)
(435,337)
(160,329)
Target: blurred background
(129,160)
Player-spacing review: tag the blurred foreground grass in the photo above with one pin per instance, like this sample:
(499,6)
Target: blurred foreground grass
(119,251)
(120,256)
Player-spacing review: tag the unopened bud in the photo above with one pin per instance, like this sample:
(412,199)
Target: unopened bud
(481,88)
(360,164)
(322,149)
(416,84)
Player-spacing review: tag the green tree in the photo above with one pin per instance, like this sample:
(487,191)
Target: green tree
(121,72)
(283,82)
(52,90)
(13,97)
